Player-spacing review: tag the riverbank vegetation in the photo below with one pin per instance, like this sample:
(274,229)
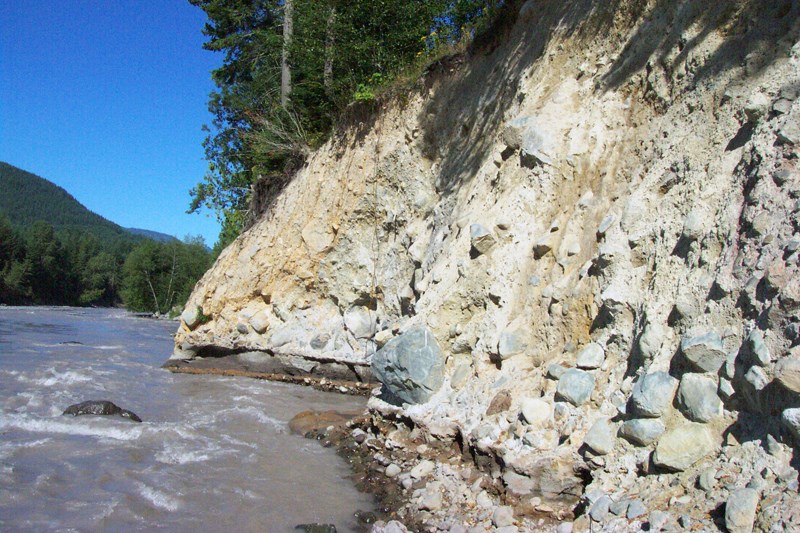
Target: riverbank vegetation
(42,267)
(290,70)
(54,251)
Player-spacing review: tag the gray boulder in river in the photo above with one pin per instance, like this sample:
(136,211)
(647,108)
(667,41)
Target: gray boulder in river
(100,407)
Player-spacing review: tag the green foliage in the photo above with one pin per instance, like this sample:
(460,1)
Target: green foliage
(26,198)
(80,260)
(339,52)
(158,277)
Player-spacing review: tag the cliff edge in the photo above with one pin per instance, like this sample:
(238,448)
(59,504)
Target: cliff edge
(572,254)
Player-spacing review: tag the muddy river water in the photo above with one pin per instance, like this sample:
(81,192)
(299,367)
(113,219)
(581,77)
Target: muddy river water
(212,453)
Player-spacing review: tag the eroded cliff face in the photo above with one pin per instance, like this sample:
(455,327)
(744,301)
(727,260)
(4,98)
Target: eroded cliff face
(609,193)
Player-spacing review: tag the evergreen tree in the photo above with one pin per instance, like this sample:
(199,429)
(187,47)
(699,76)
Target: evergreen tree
(290,67)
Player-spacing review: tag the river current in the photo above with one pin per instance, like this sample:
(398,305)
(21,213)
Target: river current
(212,453)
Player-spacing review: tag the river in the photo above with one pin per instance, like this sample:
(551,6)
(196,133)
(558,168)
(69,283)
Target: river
(212,453)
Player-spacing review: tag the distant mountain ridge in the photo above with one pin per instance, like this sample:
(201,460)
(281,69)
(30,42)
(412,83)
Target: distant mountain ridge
(26,198)
(154,235)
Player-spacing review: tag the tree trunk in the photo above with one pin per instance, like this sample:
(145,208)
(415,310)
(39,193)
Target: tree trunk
(330,39)
(286,74)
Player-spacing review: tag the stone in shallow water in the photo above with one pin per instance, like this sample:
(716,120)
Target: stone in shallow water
(575,386)
(411,366)
(100,407)
(316,528)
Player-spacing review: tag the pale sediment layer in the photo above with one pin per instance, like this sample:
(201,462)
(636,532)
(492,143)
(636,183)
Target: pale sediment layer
(590,229)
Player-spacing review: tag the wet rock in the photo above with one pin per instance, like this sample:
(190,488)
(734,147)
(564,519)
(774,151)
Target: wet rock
(359,435)
(503,516)
(481,238)
(309,421)
(365,517)
(591,357)
(652,395)
(100,407)
(705,352)
(740,510)
(316,528)
(601,437)
(411,365)
(575,386)
(392,526)
(683,446)
(642,431)
(697,398)
(535,411)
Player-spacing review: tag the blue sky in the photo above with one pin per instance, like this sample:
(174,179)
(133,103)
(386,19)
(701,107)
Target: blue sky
(107,99)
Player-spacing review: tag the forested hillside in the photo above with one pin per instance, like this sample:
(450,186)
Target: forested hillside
(26,198)
(55,251)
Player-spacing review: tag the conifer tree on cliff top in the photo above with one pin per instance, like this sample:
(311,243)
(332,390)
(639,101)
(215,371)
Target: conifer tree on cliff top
(290,66)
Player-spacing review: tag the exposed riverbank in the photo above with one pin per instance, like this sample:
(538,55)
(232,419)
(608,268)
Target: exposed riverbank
(572,256)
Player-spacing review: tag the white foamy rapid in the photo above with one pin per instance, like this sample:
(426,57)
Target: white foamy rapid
(83,426)
(212,453)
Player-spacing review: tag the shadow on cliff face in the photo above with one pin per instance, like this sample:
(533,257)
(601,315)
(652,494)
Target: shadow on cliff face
(461,121)
(751,30)
(459,135)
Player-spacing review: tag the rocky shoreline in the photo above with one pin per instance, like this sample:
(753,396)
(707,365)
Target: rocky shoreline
(572,259)
(427,484)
